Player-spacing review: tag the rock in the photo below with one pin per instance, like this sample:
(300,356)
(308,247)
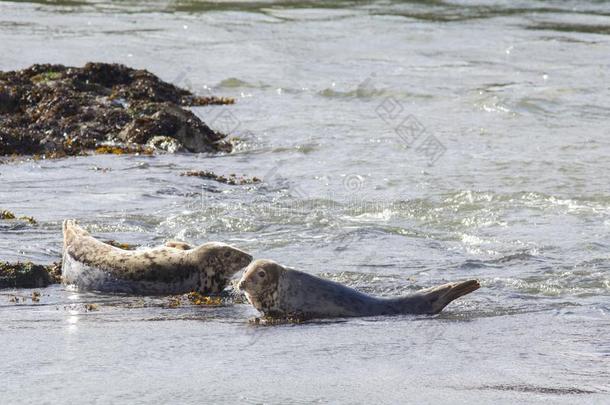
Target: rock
(57,110)
(165,143)
(232,179)
(7,215)
(171,121)
(29,275)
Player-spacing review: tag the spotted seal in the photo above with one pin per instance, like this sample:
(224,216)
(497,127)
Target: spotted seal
(175,268)
(279,292)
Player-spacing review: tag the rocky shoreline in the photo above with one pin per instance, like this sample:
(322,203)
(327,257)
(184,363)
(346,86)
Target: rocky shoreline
(56,111)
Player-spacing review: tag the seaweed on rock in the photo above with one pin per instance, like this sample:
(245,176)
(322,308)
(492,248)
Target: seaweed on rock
(29,275)
(54,110)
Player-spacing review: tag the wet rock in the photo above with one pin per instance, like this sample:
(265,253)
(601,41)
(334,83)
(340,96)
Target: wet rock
(171,121)
(232,179)
(8,215)
(5,214)
(57,110)
(165,143)
(29,275)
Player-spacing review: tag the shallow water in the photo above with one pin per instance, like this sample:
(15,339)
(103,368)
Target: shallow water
(517,95)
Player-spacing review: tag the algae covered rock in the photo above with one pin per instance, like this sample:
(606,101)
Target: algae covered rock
(28,275)
(169,120)
(232,179)
(6,215)
(59,110)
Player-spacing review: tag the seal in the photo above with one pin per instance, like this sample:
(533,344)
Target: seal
(175,268)
(279,292)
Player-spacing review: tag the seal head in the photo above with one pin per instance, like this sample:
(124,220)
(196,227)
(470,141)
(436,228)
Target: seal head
(219,262)
(260,284)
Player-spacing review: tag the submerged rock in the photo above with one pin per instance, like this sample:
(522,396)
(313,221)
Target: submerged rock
(6,214)
(58,110)
(28,275)
(232,179)
(9,216)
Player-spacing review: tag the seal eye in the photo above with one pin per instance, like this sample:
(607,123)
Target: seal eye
(261,274)
(227,254)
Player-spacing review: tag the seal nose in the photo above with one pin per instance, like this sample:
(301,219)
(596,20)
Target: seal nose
(241,286)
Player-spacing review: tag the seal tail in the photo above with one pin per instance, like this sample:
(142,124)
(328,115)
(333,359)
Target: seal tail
(439,297)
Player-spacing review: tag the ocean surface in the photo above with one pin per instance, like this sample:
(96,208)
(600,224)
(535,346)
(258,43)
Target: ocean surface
(402,145)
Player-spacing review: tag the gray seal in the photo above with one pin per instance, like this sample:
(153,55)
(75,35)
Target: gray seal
(175,268)
(279,292)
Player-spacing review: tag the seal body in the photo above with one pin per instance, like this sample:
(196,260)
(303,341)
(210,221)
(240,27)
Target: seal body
(176,268)
(280,292)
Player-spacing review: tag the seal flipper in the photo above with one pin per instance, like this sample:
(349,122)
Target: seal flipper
(439,297)
(432,300)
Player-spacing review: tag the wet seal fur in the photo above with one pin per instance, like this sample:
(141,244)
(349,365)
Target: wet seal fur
(175,268)
(279,292)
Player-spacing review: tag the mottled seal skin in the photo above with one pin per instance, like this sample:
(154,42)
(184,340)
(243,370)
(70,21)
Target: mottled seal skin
(175,268)
(278,292)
